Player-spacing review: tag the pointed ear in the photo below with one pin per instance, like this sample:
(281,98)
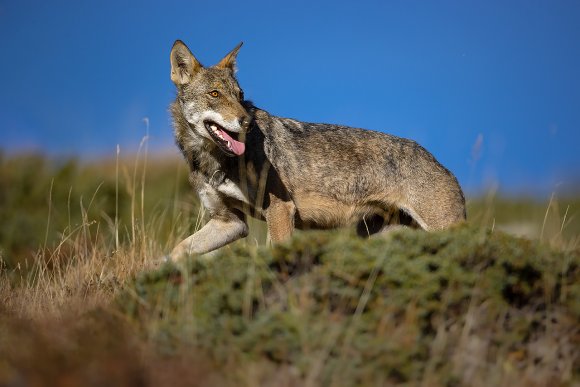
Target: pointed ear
(183,63)
(229,61)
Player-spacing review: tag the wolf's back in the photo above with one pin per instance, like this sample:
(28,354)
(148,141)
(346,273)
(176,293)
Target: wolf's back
(350,163)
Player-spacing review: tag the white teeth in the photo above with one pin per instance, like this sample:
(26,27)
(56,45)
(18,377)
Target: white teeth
(216,131)
(229,145)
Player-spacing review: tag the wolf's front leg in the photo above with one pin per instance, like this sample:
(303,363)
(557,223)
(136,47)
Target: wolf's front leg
(280,219)
(218,232)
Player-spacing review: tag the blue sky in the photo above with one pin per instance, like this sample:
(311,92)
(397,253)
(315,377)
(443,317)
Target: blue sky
(491,88)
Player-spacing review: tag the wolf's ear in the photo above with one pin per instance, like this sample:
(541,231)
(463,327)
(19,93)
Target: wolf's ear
(183,63)
(229,61)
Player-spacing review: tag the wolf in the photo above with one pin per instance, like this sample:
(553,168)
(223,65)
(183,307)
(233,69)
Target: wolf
(244,161)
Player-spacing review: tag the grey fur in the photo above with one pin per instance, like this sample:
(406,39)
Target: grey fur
(295,174)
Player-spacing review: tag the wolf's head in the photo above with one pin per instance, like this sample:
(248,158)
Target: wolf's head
(210,99)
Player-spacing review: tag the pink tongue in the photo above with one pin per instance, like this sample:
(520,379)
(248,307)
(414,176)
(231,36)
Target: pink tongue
(237,147)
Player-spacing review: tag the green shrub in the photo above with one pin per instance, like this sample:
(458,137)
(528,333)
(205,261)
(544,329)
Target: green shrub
(404,308)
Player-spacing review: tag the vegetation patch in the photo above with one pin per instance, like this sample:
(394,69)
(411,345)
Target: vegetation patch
(464,306)
(81,302)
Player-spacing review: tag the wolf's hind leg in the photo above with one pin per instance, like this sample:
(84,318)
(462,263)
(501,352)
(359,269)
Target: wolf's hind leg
(216,233)
(439,216)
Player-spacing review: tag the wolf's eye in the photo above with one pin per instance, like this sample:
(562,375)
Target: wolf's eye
(241,95)
(214,93)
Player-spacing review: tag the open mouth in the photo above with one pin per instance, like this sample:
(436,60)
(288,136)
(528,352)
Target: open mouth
(226,141)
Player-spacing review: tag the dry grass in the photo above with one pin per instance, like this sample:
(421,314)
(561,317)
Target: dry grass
(84,264)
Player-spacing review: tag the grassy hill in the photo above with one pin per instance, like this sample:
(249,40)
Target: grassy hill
(82,301)
(464,306)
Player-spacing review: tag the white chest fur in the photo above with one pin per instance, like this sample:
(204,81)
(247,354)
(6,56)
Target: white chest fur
(232,190)
(213,197)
